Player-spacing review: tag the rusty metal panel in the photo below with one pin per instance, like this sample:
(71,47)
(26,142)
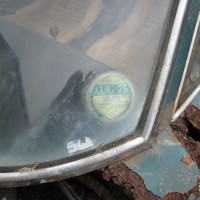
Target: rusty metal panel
(169,166)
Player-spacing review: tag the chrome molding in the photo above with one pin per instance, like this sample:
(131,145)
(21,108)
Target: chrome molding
(167,64)
(186,103)
(178,111)
(100,159)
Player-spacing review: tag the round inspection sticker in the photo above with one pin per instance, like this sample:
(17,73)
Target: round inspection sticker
(111,95)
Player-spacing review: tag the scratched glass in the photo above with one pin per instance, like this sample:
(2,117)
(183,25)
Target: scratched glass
(51,52)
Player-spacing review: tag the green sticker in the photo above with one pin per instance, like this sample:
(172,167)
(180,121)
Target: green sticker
(111,95)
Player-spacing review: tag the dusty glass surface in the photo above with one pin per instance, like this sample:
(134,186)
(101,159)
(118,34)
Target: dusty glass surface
(52,51)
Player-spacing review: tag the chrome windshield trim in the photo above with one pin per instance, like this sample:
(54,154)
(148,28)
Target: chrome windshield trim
(168,61)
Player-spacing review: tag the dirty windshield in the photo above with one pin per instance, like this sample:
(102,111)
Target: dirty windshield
(74,74)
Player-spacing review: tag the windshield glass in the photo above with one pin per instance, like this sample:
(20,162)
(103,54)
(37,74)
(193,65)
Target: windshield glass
(74,74)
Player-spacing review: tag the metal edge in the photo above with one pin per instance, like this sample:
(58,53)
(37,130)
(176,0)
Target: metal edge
(167,64)
(186,103)
(98,160)
(178,111)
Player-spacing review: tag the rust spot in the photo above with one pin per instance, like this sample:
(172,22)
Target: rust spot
(175,196)
(187,130)
(186,160)
(120,176)
(193,115)
(131,184)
